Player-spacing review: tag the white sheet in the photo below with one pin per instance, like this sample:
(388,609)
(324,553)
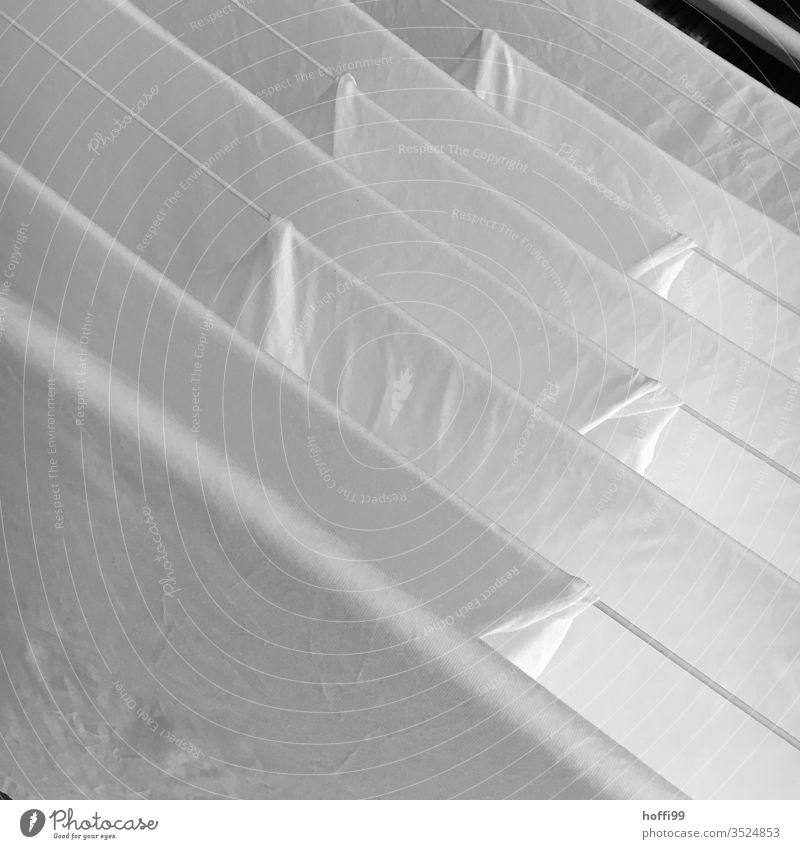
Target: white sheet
(695,737)
(623,521)
(480,316)
(660,341)
(669,53)
(504,157)
(662,187)
(441,195)
(736,491)
(649,531)
(113,286)
(158,643)
(701,368)
(676,111)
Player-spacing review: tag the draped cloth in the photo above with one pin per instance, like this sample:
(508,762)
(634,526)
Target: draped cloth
(461,209)
(632,323)
(386,394)
(717,120)
(738,238)
(236,545)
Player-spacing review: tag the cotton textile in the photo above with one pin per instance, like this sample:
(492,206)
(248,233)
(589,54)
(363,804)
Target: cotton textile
(184,676)
(726,127)
(370,465)
(691,359)
(481,316)
(621,161)
(508,159)
(471,215)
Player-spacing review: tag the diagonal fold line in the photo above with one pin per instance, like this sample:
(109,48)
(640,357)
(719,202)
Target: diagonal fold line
(285,39)
(700,676)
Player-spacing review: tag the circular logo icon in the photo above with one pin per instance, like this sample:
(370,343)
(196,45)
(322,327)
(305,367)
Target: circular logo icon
(31,822)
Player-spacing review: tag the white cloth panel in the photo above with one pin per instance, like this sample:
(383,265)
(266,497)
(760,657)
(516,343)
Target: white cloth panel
(644,534)
(739,493)
(441,195)
(222,672)
(641,699)
(750,319)
(621,161)
(659,340)
(514,163)
(675,111)
(734,95)
(194,266)
(222,652)
(370,143)
(640,563)
(388,67)
(113,285)
(483,318)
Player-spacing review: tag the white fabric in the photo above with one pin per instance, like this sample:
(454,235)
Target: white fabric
(622,161)
(736,491)
(291,274)
(695,738)
(493,446)
(180,672)
(642,532)
(661,341)
(734,95)
(509,160)
(387,67)
(592,549)
(651,507)
(480,316)
(432,188)
(679,112)
(259,532)
(441,194)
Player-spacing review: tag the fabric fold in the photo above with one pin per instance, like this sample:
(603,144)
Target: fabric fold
(471,215)
(641,174)
(572,485)
(697,116)
(510,337)
(725,383)
(522,168)
(190,687)
(292,276)
(319,462)
(228,563)
(333,118)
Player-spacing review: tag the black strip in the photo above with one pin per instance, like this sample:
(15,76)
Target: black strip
(728,44)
